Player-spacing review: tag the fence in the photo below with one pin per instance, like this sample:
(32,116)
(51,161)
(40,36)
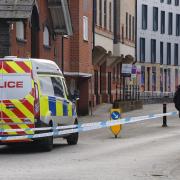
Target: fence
(149,97)
(132,93)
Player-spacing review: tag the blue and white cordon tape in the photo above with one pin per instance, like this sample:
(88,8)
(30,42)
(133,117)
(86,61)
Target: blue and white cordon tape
(63,130)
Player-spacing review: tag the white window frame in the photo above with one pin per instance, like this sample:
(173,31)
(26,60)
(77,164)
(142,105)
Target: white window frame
(20,31)
(85,28)
(46,41)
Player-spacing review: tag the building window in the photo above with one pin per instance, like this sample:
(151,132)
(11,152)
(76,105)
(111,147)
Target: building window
(162,22)
(133,29)
(170,23)
(46,37)
(176,54)
(153,50)
(142,50)
(155,19)
(100,13)
(130,27)
(96,84)
(153,79)
(168,53)
(85,28)
(126,25)
(110,17)
(161,1)
(20,30)
(85,5)
(176,2)
(105,14)
(109,83)
(177,24)
(161,53)
(168,1)
(144,16)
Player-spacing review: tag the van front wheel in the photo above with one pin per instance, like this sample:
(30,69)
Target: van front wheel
(72,139)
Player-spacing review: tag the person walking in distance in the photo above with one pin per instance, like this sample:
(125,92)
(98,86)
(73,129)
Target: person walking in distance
(176,99)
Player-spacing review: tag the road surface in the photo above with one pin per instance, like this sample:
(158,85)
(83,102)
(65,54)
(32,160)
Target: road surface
(143,151)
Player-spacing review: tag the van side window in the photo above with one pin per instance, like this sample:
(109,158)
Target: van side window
(66,89)
(46,85)
(58,87)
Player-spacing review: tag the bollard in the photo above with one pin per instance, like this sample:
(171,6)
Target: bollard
(164,117)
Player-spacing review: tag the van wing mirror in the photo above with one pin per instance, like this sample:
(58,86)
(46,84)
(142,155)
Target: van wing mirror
(76,95)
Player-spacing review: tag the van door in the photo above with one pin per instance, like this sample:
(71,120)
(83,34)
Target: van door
(17,97)
(0,98)
(53,102)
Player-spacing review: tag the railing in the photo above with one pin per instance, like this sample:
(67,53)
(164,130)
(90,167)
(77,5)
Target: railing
(156,97)
(132,93)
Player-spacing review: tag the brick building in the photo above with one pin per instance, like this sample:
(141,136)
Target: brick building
(57,30)
(114,45)
(78,52)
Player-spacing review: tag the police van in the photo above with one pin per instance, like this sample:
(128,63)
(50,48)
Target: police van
(33,94)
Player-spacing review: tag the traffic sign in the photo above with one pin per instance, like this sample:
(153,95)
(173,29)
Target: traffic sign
(115,115)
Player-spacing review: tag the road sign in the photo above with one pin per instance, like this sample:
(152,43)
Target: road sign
(115,115)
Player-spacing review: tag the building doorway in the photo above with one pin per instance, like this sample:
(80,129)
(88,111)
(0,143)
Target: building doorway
(4,39)
(35,33)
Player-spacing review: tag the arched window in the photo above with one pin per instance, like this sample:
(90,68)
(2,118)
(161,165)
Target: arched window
(100,13)
(105,14)
(110,17)
(20,30)
(46,41)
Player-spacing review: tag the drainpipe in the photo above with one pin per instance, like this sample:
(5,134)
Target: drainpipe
(115,22)
(135,31)
(94,21)
(62,54)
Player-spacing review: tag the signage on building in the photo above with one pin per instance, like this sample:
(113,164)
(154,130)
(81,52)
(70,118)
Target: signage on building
(126,70)
(134,72)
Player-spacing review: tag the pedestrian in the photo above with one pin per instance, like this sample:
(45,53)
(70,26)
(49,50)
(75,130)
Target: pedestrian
(176,99)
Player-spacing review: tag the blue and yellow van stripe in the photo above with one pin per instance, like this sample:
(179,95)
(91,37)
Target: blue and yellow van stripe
(56,107)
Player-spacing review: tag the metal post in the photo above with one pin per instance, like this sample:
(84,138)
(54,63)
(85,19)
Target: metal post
(164,117)
(123,88)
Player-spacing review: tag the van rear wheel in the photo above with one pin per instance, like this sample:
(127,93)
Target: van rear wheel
(46,143)
(72,139)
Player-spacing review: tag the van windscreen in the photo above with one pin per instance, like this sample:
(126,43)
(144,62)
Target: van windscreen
(15,86)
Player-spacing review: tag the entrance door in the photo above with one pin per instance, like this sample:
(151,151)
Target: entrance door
(4,39)
(35,33)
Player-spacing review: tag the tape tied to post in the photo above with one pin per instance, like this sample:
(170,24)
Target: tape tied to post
(64,130)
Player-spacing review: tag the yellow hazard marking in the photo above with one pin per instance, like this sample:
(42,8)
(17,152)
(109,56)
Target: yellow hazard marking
(15,67)
(4,71)
(70,110)
(16,120)
(30,99)
(23,108)
(59,108)
(28,63)
(117,128)
(44,106)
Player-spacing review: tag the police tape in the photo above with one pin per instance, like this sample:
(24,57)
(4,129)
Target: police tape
(65,130)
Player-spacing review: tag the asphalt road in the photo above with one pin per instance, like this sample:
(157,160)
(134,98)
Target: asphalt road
(143,151)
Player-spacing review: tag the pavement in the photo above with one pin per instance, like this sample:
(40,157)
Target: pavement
(99,113)
(143,151)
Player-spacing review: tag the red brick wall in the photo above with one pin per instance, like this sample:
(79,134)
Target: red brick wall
(77,52)
(23,49)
